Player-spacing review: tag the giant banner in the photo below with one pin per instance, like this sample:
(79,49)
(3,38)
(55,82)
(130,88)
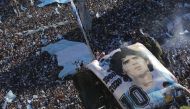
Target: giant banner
(138,80)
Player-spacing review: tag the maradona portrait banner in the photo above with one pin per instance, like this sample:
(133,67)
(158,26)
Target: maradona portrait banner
(138,80)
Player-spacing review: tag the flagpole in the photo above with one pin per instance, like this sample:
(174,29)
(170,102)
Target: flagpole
(81,27)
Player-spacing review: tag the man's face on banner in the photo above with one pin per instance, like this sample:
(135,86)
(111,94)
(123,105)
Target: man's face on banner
(134,66)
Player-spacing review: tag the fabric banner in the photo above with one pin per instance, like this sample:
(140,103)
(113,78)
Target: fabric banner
(48,2)
(68,53)
(138,80)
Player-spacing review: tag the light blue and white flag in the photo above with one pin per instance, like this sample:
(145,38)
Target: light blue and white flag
(8,99)
(67,53)
(48,2)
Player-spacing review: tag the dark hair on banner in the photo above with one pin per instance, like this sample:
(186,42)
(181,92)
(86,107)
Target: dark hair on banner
(116,61)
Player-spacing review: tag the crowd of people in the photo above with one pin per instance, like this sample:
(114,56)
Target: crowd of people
(25,28)
(32,75)
(124,22)
(182,70)
(37,80)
